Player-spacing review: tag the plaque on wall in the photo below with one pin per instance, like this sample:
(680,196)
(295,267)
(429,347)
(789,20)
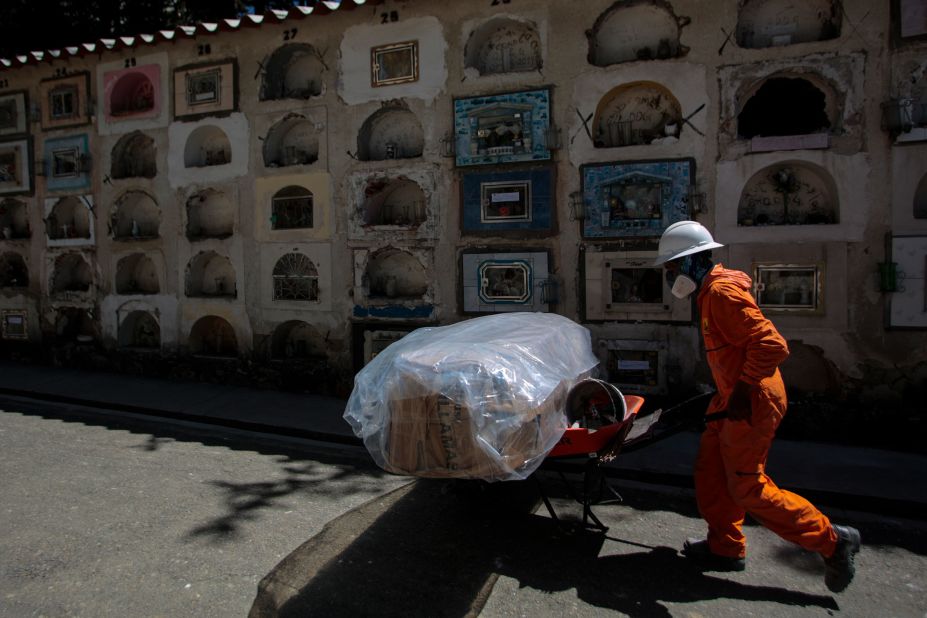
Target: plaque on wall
(503,281)
(502,128)
(635,198)
(520,200)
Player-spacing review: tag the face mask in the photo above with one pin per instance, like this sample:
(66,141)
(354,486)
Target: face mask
(683,286)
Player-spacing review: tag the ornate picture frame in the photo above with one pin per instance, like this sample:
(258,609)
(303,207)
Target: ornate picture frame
(509,127)
(519,201)
(395,63)
(789,288)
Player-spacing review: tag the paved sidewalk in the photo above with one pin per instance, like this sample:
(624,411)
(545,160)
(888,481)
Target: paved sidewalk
(866,479)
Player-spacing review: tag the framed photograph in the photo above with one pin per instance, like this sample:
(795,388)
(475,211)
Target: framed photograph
(67,163)
(516,201)
(396,63)
(635,198)
(502,128)
(789,288)
(635,366)
(205,89)
(15,171)
(14,325)
(625,286)
(13,113)
(64,101)
(501,281)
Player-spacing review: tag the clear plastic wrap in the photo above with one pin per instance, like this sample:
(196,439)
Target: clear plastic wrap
(482,398)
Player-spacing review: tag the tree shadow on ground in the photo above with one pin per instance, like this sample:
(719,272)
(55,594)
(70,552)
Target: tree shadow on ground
(434,549)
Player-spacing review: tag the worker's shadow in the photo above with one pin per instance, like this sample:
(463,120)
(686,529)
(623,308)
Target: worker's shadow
(437,549)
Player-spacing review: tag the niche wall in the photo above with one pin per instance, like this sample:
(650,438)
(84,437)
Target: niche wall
(776,23)
(210,213)
(71,275)
(14,220)
(292,71)
(392,132)
(208,151)
(135,217)
(137,274)
(210,275)
(636,30)
(134,156)
(636,114)
(13,271)
(69,220)
(504,45)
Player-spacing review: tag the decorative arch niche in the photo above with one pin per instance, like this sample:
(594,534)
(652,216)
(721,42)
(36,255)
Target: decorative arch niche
(13,271)
(213,336)
(296,278)
(140,330)
(920,199)
(772,23)
(296,340)
(136,274)
(211,275)
(292,141)
(636,30)
(391,132)
(210,214)
(71,273)
(787,104)
(789,193)
(69,218)
(134,156)
(207,146)
(396,274)
(133,93)
(398,202)
(292,208)
(504,45)
(135,217)
(14,219)
(635,114)
(293,71)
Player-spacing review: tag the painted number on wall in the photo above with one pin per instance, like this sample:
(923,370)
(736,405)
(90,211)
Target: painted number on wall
(130,62)
(498,2)
(4,83)
(385,18)
(289,35)
(204,49)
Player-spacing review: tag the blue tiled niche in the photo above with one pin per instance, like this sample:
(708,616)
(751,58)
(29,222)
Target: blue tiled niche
(67,163)
(502,128)
(519,200)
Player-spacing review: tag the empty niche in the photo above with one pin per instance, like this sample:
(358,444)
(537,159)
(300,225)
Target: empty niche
(135,217)
(769,23)
(69,218)
(296,278)
(789,193)
(293,72)
(504,45)
(636,30)
(636,113)
(210,275)
(133,93)
(210,214)
(140,329)
(291,208)
(207,146)
(787,105)
(213,336)
(392,273)
(133,156)
(71,273)
(392,132)
(136,274)
(14,219)
(292,141)
(296,339)
(74,324)
(13,271)
(920,199)
(399,202)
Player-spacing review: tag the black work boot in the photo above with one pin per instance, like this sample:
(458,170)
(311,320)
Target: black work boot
(697,551)
(839,568)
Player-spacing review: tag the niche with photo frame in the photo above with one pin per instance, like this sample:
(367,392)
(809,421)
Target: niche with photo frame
(503,281)
(15,171)
(205,89)
(64,101)
(67,163)
(518,200)
(635,366)
(396,63)
(626,286)
(789,288)
(13,117)
(14,325)
(502,128)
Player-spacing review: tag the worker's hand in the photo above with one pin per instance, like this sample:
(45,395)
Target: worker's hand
(739,407)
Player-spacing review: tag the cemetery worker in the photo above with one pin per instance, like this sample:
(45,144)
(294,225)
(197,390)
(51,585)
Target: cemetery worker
(744,351)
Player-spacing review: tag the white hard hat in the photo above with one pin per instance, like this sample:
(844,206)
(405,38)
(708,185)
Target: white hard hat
(684,238)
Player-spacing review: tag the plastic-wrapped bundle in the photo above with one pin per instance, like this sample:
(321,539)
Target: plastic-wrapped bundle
(481,398)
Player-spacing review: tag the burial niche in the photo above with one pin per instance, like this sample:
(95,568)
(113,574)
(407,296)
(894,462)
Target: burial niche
(296,278)
(391,132)
(69,218)
(207,146)
(136,274)
(504,45)
(71,273)
(635,114)
(920,199)
(135,217)
(296,340)
(13,271)
(771,23)
(785,105)
(399,202)
(789,193)
(210,275)
(213,336)
(291,208)
(74,324)
(210,214)
(395,274)
(133,156)
(14,219)
(293,71)
(140,329)
(635,30)
(133,93)
(292,141)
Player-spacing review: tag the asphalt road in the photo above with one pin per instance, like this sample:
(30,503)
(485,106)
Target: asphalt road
(107,515)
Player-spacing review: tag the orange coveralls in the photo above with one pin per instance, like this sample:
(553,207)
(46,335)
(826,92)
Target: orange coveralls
(730,477)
